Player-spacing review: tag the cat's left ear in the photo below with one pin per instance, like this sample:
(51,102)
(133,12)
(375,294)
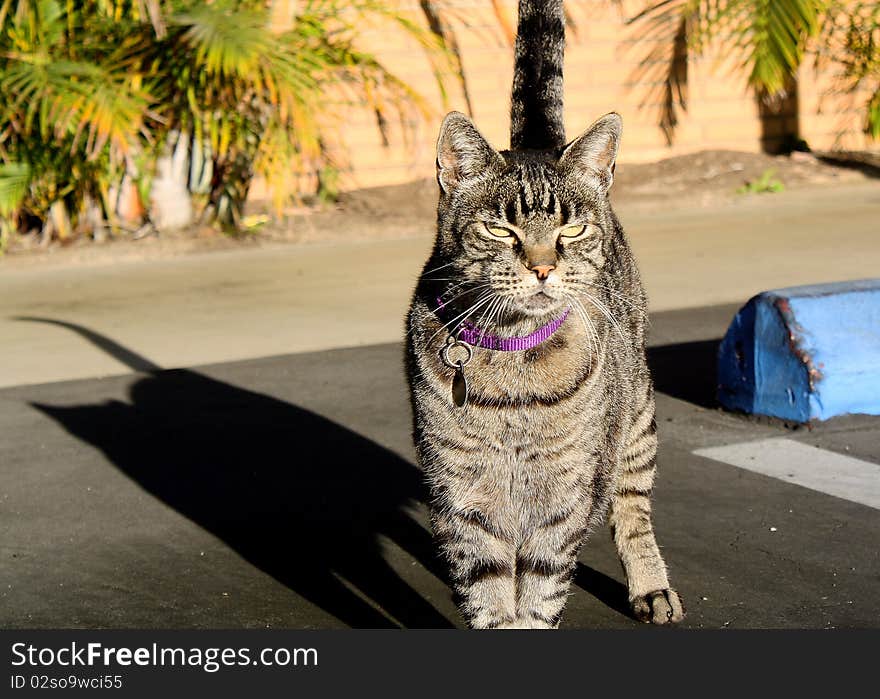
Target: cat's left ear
(595,152)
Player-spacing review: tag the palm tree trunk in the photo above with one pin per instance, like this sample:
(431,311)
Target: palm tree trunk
(60,220)
(170,201)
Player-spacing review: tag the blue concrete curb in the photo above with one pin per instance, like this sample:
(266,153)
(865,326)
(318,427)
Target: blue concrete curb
(804,353)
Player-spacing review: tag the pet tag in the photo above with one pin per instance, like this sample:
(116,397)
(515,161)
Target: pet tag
(459,386)
(459,382)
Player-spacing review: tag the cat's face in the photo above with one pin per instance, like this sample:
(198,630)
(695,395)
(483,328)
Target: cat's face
(525,232)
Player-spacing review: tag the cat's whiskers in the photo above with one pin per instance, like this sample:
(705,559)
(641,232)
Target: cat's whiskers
(484,299)
(606,312)
(461,282)
(446,302)
(490,312)
(437,269)
(589,328)
(504,307)
(628,300)
(480,322)
(469,290)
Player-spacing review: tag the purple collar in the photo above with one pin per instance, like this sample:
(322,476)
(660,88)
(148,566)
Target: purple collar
(476,337)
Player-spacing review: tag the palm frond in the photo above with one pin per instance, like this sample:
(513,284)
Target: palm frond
(765,39)
(667,34)
(850,47)
(73,97)
(227,39)
(15,178)
(769,38)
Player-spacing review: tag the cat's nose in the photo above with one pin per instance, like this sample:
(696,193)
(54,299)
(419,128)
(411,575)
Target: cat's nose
(542,271)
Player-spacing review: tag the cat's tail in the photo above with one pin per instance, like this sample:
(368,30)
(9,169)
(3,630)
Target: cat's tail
(536,103)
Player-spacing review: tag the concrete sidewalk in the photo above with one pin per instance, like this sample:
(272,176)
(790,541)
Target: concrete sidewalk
(223,306)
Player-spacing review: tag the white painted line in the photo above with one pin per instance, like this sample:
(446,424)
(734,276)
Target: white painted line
(805,465)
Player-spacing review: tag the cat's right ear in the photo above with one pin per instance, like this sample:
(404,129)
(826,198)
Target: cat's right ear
(462,152)
(593,154)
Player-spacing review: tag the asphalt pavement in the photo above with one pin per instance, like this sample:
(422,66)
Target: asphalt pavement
(282,492)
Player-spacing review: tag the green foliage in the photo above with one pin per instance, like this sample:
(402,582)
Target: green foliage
(851,40)
(767,183)
(768,41)
(328,184)
(14,181)
(95,89)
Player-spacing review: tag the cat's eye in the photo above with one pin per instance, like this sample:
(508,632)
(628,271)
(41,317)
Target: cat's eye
(498,232)
(572,232)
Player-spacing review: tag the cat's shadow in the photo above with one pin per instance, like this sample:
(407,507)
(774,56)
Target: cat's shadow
(298,496)
(612,593)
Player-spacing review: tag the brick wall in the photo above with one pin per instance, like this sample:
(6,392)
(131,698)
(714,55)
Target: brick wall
(600,60)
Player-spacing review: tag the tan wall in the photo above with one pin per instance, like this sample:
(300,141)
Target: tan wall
(600,61)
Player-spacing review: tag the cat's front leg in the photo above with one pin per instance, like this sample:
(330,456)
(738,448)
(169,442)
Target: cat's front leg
(650,596)
(481,566)
(545,565)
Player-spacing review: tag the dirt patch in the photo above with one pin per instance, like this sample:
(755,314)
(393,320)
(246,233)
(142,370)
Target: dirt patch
(704,179)
(712,177)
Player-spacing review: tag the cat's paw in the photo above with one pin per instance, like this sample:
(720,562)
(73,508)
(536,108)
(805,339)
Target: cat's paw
(660,607)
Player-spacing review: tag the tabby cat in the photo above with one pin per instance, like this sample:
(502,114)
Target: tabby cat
(533,405)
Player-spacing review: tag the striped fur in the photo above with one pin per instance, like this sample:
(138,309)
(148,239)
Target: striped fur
(552,440)
(536,104)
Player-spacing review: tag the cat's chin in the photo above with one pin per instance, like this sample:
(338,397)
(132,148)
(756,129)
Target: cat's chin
(541,305)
